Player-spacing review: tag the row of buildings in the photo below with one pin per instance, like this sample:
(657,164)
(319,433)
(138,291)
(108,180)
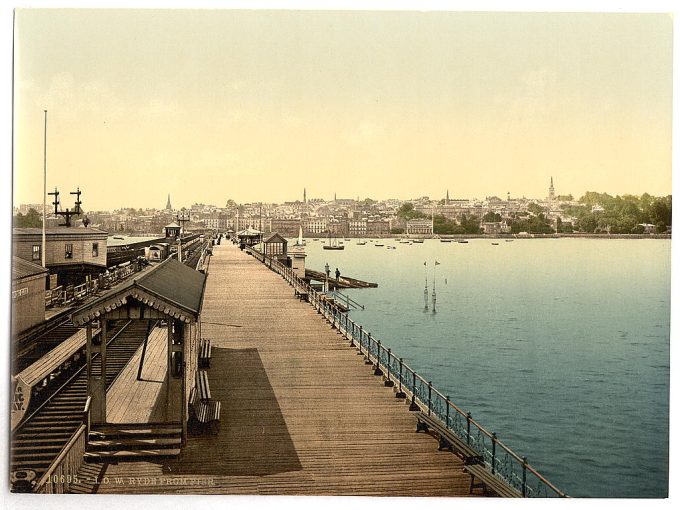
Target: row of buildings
(318,217)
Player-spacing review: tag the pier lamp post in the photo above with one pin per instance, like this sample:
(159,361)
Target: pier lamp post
(328,272)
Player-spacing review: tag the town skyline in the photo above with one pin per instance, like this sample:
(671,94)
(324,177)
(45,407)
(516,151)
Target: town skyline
(258,104)
(179,204)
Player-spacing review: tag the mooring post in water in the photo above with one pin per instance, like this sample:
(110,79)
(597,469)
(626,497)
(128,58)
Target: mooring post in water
(414,406)
(377,370)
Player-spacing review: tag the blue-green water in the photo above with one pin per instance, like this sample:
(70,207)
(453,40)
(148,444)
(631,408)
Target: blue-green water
(561,346)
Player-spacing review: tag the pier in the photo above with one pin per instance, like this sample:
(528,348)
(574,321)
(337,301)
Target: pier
(301,412)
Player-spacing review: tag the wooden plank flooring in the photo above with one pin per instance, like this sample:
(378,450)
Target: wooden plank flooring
(301,412)
(143,401)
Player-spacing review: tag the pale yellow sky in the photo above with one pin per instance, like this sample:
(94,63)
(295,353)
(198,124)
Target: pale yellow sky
(256,105)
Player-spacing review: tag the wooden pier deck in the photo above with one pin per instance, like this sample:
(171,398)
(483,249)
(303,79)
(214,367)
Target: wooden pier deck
(301,412)
(130,400)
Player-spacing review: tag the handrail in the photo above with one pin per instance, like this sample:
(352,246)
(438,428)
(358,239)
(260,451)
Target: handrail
(63,455)
(421,392)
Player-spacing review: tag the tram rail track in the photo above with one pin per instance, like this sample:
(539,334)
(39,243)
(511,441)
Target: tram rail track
(43,433)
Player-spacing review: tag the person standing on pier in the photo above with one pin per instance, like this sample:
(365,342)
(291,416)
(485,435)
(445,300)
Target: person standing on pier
(337,276)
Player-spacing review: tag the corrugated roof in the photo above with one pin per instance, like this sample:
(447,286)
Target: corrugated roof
(23,268)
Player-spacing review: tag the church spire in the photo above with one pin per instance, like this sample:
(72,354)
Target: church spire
(168,207)
(551,190)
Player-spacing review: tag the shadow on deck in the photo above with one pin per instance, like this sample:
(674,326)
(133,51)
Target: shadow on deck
(253,439)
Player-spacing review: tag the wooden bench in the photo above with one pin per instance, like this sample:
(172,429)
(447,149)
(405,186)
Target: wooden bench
(447,439)
(206,412)
(490,482)
(204,353)
(302,295)
(203,385)
(473,461)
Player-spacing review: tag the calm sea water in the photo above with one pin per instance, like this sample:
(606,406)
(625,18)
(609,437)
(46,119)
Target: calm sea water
(561,346)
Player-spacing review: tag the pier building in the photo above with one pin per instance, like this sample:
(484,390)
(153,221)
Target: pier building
(28,294)
(72,253)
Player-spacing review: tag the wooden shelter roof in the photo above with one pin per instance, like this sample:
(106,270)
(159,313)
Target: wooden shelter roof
(171,287)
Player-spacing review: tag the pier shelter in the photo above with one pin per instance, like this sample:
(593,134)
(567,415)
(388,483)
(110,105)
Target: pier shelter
(168,298)
(249,237)
(172,230)
(276,246)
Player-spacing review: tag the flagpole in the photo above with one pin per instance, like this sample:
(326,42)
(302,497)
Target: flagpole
(44,241)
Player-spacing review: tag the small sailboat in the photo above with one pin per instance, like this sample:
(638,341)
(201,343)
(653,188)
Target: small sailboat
(361,243)
(333,244)
(300,240)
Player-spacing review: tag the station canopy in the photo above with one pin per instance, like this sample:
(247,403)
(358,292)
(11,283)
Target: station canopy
(171,288)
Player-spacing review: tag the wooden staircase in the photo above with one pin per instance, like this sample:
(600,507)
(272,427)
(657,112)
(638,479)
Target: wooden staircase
(133,442)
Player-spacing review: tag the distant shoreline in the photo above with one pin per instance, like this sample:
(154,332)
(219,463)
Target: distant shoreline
(501,236)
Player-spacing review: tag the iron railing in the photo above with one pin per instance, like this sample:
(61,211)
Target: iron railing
(498,458)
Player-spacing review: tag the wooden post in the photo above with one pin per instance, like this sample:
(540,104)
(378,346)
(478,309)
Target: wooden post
(96,385)
(168,370)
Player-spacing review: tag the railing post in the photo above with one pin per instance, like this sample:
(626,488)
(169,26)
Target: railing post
(414,406)
(468,417)
(361,340)
(389,383)
(367,360)
(447,411)
(334,312)
(400,393)
(351,336)
(524,477)
(429,398)
(493,453)
(377,370)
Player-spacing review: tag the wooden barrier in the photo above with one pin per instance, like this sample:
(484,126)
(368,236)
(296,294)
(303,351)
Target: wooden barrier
(64,470)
